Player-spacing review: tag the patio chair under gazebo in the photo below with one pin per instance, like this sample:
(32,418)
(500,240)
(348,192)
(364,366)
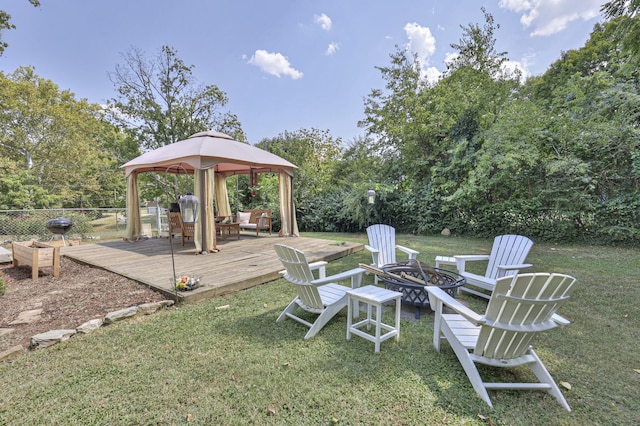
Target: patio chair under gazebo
(211,157)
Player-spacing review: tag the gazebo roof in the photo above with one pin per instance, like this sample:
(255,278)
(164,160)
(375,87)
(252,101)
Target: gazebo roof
(209,149)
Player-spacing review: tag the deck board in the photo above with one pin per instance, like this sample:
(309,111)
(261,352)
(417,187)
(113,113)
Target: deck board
(239,264)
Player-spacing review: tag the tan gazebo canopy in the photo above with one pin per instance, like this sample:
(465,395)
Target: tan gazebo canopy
(211,157)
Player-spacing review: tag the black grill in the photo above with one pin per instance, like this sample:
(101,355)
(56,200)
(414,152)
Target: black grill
(60,225)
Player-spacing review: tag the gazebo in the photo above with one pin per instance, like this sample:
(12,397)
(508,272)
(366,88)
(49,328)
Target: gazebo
(211,157)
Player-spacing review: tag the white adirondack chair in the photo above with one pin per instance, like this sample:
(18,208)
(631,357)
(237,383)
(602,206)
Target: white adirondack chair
(520,306)
(507,256)
(382,245)
(320,295)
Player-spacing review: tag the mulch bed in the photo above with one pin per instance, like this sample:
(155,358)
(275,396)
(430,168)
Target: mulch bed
(80,294)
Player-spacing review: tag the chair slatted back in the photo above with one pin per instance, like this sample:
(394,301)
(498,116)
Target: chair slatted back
(520,307)
(383,239)
(299,274)
(175,222)
(176,226)
(507,250)
(189,229)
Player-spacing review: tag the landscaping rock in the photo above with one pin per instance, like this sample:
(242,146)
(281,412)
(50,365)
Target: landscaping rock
(446,232)
(115,316)
(151,308)
(90,326)
(50,338)
(11,353)
(4,331)
(27,317)
(5,255)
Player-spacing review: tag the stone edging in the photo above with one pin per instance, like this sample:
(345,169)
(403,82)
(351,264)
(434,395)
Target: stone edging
(53,337)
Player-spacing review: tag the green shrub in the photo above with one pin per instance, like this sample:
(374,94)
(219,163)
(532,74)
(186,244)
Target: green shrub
(3,287)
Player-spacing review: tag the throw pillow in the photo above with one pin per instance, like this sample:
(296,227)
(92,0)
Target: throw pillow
(244,217)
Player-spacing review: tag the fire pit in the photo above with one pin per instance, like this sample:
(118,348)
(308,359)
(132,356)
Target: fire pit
(409,278)
(59,226)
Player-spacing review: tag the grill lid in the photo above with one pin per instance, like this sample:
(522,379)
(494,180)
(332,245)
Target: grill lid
(59,225)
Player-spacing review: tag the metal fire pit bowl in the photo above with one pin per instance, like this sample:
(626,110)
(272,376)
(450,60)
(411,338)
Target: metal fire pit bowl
(414,293)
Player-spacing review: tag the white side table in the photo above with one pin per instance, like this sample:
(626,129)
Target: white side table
(373,296)
(445,260)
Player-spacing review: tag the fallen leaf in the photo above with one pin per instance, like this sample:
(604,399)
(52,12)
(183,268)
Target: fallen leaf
(486,419)
(265,305)
(286,364)
(189,418)
(565,385)
(636,370)
(233,377)
(334,420)
(271,411)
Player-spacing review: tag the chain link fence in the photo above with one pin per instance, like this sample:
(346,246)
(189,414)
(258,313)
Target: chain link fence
(89,225)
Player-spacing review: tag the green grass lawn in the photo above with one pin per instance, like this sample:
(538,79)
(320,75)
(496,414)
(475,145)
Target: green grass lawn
(226,361)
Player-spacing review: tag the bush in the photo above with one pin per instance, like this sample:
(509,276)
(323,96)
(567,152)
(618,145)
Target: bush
(3,287)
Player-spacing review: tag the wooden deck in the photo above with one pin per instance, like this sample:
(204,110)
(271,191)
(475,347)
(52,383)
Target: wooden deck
(240,264)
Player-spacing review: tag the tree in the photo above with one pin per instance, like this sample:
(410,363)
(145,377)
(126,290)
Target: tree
(600,53)
(629,12)
(159,102)
(52,137)
(314,151)
(476,49)
(5,24)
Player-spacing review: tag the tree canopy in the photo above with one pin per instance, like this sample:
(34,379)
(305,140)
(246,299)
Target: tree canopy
(159,102)
(52,145)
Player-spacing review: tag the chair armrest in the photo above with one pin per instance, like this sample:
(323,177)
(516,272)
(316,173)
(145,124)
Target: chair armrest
(512,267)
(374,254)
(441,299)
(462,259)
(560,320)
(371,249)
(354,274)
(319,266)
(412,253)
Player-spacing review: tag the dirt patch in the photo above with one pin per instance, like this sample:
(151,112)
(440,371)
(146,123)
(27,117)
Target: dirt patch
(80,294)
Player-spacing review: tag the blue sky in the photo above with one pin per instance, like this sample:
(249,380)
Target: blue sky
(288,64)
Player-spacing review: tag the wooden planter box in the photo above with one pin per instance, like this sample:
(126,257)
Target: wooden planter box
(37,255)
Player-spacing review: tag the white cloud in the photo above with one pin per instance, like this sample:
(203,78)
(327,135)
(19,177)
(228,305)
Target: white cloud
(547,17)
(432,74)
(421,41)
(323,20)
(511,67)
(332,48)
(515,5)
(274,64)
(449,57)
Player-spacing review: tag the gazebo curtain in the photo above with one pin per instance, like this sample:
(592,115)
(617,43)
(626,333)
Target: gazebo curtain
(203,188)
(288,225)
(222,196)
(134,226)
(217,183)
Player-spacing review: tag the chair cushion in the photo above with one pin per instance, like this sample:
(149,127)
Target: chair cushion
(244,217)
(262,221)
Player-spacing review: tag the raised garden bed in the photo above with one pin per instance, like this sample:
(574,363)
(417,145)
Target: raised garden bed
(37,255)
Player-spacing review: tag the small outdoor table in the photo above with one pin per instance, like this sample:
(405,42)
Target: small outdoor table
(373,296)
(228,230)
